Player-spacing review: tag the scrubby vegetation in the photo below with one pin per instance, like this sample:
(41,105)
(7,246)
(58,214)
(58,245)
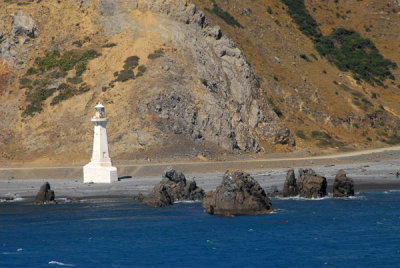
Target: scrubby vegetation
(325,140)
(54,65)
(300,134)
(274,107)
(344,48)
(129,65)
(156,54)
(67,91)
(225,16)
(350,52)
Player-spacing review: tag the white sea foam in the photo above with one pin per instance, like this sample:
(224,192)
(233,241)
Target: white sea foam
(63,200)
(12,199)
(304,199)
(187,201)
(60,263)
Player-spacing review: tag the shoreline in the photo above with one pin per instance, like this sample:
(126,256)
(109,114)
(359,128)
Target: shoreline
(372,171)
(367,177)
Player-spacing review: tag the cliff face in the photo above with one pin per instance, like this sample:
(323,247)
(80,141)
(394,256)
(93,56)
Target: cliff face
(172,84)
(178,79)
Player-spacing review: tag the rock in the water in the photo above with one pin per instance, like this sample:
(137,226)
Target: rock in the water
(290,186)
(175,187)
(311,185)
(24,25)
(45,195)
(343,186)
(273,191)
(158,197)
(139,197)
(238,194)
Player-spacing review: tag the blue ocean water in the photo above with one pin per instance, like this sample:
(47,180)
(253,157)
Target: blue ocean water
(359,232)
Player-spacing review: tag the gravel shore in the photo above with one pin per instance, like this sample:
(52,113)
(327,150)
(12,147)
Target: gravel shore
(370,172)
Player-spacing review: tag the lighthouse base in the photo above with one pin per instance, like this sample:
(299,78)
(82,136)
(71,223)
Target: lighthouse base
(99,174)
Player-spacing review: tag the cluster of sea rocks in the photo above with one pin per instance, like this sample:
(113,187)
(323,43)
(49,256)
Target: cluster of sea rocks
(311,185)
(238,193)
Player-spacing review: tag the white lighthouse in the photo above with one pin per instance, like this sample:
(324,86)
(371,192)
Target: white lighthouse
(100,169)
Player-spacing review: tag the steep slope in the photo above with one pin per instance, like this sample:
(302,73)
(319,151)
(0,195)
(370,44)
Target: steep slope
(323,106)
(172,84)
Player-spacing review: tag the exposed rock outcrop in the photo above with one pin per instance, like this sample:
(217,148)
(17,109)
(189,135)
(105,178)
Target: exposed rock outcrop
(238,194)
(273,191)
(24,25)
(45,195)
(290,186)
(343,186)
(173,187)
(311,185)
(13,49)
(158,197)
(225,107)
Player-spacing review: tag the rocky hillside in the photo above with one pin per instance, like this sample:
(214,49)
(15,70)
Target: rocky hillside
(173,84)
(325,105)
(201,78)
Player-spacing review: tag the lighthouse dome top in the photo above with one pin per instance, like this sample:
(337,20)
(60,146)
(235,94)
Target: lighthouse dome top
(99,105)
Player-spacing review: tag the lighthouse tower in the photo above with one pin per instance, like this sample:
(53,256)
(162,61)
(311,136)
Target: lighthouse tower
(100,169)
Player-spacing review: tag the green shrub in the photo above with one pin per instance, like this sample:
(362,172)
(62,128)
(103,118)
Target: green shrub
(304,57)
(31,71)
(350,52)
(274,107)
(68,61)
(225,16)
(394,139)
(314,56)
(25,81)
(369,139)
(300,134)
(277,22)
(49,61)
(89,54)
(269,10)
(80,68)
(74,80)
(131,62)
(125,75)
(57,74)
(344,48)
(301,16)
(110,45)
(156,54)
(141,70)
(373,95)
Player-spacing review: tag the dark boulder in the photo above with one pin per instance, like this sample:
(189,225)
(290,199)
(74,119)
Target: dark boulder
(290,186)
(139,197)
(273,191)
(45,195)
(343,186)
(176,187)
(311,185)
(238,194)
(158,197)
